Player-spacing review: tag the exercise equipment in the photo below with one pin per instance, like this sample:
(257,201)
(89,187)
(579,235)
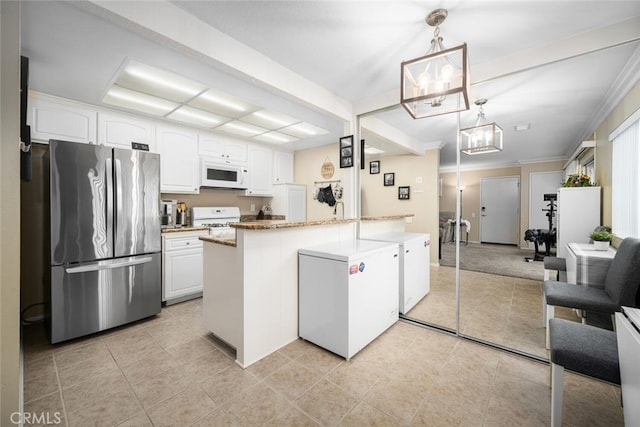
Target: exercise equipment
(541,236)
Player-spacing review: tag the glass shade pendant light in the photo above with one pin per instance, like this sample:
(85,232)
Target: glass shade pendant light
(483,137)
(437,83)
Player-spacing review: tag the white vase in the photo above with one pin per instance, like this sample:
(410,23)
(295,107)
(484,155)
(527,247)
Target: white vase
(601,246)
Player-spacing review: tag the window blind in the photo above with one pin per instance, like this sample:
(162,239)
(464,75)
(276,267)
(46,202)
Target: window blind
(625,182)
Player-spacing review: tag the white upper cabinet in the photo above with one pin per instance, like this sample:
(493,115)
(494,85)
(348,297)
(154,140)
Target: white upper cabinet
(260,172)
(116,130)
(179,160)
(217,147)
(282,167)
(52,118)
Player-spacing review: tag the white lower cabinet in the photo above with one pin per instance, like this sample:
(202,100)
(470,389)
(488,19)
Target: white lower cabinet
(182,267)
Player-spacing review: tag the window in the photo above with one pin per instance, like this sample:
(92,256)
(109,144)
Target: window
(625,178)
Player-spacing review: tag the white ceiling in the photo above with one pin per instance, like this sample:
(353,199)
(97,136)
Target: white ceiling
(353,49)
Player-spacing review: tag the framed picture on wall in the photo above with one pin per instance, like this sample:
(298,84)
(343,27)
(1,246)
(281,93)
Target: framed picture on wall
(389,179)
(403,193)
(374,167)
(346,151)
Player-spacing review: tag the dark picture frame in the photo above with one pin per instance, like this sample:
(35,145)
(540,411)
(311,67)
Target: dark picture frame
(346,151)
(361,154)
(389,179)
(374,167)
(404,192)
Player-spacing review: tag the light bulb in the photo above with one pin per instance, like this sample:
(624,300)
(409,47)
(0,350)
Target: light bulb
(446,72)
(423,80)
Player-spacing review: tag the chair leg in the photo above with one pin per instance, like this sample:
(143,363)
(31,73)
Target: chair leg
(557,385)
(550,314)
(544,311)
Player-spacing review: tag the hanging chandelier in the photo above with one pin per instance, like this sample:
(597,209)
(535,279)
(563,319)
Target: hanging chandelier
(483,137)
(437,83)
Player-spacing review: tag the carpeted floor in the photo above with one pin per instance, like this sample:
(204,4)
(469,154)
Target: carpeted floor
(503,260)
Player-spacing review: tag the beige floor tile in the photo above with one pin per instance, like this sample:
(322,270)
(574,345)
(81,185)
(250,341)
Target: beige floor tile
(268,365)
(355,377)
(78,354)
(397,397)
(183,409)
(81,394)
(140,420)
(291,417)
(216,418)
(327,403)
(49,409)
(206,365)
(514,398)
(112,410)
(296,349)
(590,402)
(292,380)
(227,384)
(161,387)
(41,386)
(148,366)
(319,360)
(523,368)
(101,364)
(191,349)
(438,414)
(366,415)
(39,367)
(256,405)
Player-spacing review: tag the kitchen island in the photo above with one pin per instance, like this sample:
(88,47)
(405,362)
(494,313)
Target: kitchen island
(250,297)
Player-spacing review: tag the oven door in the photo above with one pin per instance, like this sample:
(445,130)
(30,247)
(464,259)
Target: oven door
(223,175)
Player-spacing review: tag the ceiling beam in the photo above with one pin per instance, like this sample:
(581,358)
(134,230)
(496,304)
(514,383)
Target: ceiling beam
(593,41)
(165,23)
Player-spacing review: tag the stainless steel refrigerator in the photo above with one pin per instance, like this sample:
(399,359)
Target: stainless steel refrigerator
(104,236)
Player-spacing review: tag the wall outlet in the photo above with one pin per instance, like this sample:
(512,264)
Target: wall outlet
(408,220)
(473,214)
(253,207)
(418,180)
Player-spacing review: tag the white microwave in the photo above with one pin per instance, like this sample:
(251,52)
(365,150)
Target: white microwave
(219,174)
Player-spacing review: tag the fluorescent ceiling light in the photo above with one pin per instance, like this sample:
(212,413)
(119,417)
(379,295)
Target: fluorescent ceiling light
(303,130)
(133,100)
(372,150)
(243,129)
(275,137)
(522,127)
(269,119)
(197,117)
(157,82)
(222,104)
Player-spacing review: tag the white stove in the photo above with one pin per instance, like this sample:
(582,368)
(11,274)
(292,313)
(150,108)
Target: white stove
(217,219)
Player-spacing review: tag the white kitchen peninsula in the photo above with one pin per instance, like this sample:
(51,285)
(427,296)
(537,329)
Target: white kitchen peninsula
(250,296)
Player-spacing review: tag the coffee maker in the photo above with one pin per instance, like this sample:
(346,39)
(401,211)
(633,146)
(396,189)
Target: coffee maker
(168,212)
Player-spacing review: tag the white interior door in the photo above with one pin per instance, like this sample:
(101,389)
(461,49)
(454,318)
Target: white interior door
(541,183)
(499,210)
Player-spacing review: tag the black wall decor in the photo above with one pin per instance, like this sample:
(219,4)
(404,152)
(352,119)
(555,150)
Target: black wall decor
(346,151)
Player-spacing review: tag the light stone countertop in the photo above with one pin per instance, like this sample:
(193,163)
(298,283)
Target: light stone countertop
(386,217)
(275,224)
(227,242)
(182,229)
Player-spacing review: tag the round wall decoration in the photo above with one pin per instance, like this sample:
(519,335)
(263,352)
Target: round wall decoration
(327,169)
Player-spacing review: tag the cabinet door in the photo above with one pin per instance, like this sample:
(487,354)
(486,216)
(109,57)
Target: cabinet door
(53,120)
(120,131)
(260,181)
(282,167)
(236,151)
(180,164)
(210,146)
(182,273)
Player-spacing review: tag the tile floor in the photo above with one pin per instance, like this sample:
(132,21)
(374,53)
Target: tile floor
(168,371)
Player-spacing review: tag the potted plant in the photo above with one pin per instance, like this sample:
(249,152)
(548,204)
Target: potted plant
(578,180)
(601,240)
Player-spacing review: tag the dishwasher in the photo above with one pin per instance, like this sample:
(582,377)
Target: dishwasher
(348,293)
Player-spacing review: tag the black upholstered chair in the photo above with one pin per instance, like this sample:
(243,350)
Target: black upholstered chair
(620,286)
(580,348)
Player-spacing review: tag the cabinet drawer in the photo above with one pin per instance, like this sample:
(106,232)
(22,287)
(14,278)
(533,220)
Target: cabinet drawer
(176,243)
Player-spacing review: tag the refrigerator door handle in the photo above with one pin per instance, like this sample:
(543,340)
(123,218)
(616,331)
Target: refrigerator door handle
(108,265)
(117,200)
(109,201)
